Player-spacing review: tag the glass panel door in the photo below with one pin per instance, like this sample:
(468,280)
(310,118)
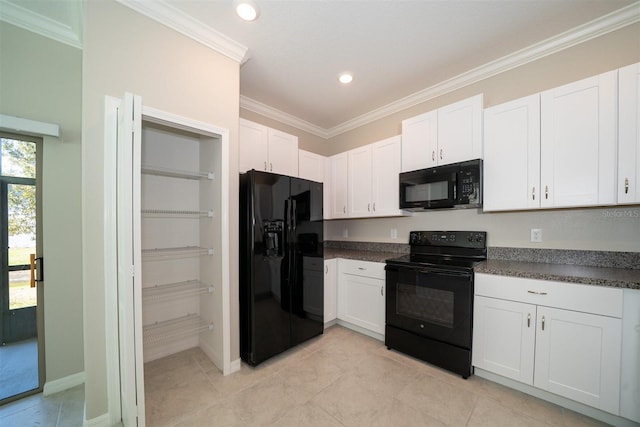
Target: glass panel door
(19,370)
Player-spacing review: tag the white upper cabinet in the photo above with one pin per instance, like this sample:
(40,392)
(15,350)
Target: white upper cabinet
(373,179)
(266,149)
(338,185)
(420,141)
(460,131)
(629,135)
(311,166)
(578,143)
(448,135)
(385,185)
(512,155)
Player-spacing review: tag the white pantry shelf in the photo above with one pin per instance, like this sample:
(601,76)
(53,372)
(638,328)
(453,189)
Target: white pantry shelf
(175,290)
(175,213)
(190,324)
(175,173)
(161,254)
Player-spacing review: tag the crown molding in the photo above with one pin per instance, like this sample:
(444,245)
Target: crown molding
(174,18)
(281,116)
(614,21)
(39,24)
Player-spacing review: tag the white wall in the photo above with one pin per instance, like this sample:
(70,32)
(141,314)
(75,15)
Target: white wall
(124,51)
(41,79)
(605,229)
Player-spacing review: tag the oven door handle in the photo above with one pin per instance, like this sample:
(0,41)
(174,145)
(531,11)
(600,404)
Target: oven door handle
(446,272)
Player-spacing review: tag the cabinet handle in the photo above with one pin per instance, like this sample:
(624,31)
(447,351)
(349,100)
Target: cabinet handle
(626,185)
(433,155)
(533,193)
(361,268)
(546,191)
(528,320)
(374,206)
(270,167)
(265,165)
(441,154)
(344,209)
(381,290)
(543,323)
(537,293)
(326,269)
(368,207)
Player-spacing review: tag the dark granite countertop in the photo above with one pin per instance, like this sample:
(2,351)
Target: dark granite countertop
(587,275)
(573,266)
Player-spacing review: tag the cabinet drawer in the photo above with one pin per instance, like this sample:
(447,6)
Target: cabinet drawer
(362,268)
(584,298)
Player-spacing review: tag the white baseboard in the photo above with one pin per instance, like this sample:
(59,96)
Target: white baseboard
(101,421)
(211,354)
(360,329)
(235,366)
(64,383)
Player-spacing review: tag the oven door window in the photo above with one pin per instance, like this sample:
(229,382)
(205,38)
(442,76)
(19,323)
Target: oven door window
(429,305)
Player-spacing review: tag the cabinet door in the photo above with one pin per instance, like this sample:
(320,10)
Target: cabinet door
(629,135)
(385,166)
(578,357)
(338,185)
(578,143)
(504,337)
(420,141)
(361,301)
(283,153)
(512,155)
(311,166)
(330,290)
(460,131)
(630,370)
(253,146)
(359,182)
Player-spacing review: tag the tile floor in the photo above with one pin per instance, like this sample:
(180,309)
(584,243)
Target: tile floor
(339,379)
(64,409)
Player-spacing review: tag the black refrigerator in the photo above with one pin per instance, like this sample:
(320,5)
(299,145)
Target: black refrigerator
(281,264)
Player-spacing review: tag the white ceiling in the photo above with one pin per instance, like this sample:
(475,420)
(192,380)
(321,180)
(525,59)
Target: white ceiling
(395,49)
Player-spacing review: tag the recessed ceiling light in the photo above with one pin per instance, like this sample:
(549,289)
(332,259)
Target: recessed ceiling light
(345,78)
(246,9)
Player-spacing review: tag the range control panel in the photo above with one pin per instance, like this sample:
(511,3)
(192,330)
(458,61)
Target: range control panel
(459,239)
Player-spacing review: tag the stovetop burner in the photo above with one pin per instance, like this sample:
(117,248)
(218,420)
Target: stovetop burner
(456,249)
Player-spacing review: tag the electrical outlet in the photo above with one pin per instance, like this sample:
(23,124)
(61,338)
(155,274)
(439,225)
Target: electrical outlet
(536,235)
(394,233)
(345,232)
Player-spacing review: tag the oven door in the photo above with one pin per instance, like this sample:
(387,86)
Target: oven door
(434,302)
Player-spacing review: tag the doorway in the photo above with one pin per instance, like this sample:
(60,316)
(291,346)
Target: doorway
(21,343)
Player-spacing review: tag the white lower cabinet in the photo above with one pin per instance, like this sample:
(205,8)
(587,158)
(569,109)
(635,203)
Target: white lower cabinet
(330,290)
(559,337)
(361,294)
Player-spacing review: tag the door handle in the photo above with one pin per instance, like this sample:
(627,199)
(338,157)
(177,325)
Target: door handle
(533,193)
(626,185)
(529,320)
(543,323)
(382,291)
(546,191)
(36,269)
(32,262)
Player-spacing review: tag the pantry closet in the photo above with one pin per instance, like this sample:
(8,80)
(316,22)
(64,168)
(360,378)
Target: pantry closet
(172,243)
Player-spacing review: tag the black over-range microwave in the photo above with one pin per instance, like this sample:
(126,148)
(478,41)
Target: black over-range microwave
(457,185)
